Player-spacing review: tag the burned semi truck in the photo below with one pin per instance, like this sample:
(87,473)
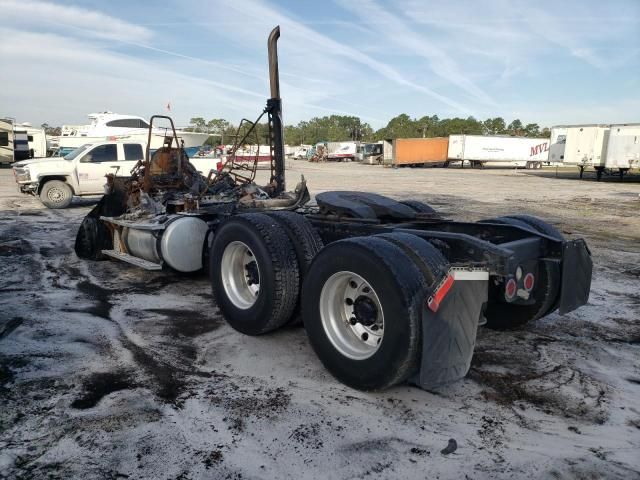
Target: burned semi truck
(388,291)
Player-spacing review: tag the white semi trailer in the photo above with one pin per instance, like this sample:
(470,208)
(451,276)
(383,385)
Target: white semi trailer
(623,149)
(586,146)
(479,150)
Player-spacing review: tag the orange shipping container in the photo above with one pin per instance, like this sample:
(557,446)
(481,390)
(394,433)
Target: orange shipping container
(409,151)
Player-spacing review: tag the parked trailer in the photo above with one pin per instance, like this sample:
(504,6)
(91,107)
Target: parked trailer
(586,146)
(388,291)
(387,151)
(509,151)
(419,151)
(623,148)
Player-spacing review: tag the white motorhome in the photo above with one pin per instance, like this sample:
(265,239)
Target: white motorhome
(6,142)
(479,150)
(623,148)
(36,139)
(586,146)
(372,153)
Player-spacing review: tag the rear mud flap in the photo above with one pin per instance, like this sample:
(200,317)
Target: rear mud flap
(576,275)
(449,334)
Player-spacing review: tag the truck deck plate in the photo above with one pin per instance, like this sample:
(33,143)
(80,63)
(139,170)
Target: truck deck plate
(137,224)
(138,262)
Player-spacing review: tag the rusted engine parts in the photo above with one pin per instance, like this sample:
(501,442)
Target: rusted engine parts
(320,155)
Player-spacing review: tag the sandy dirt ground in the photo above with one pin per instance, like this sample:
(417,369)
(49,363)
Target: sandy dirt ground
(108,371)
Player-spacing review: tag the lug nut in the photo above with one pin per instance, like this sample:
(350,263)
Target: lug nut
(348,301)
(374,327)
(365,336)
(353,284)
(366,290)
(353,320)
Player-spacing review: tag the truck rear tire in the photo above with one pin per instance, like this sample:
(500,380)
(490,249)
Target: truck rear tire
(538,225)
(56,194)
(306,242)
(419,207)
(254,273)
(504,316)
(361,304)
(92,237)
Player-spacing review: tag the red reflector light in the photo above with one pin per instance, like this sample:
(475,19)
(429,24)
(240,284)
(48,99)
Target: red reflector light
(529,281)
(434,300)
(219,166)
(511,288)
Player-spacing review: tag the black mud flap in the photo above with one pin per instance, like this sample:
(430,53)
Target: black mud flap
(576,275)
(449,334)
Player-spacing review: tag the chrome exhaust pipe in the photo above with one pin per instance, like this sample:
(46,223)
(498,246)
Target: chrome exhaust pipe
(274,75)
(274,108)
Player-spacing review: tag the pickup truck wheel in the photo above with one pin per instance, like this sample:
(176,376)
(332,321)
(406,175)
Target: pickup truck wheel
(504,316)
(56,194)
(254,273)
(306,242)
(361,304)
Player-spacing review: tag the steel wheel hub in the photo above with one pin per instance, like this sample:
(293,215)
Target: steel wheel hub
(240,275)
(55,195)
(351,315)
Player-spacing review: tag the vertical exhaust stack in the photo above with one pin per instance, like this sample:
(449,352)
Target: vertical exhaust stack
(274,75)
(274,109)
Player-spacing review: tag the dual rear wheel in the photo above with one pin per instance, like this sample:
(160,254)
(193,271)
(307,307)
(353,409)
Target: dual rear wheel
(361,298)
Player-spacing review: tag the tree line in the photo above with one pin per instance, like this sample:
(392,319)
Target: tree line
(334,128)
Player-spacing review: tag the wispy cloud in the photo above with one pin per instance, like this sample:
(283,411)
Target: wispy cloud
(398,32)
(98,24)
(70,79)
(373,59)
(583,38)
(313,43)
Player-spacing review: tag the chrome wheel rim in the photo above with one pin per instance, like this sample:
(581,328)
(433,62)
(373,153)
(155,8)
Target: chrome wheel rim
(351,315)
(240,275)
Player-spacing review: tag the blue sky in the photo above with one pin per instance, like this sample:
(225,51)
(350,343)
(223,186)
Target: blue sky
(546,62)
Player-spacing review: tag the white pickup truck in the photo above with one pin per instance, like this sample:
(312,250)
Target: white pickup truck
(55,180)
